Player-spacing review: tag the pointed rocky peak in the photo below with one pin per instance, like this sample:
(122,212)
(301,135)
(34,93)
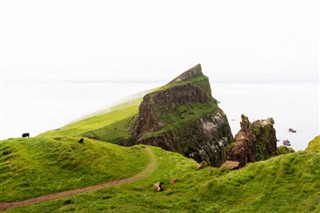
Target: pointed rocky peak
(183,117)
(255,141)
(193,72)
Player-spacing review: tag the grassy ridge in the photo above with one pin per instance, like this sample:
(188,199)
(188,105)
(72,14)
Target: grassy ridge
(287,183)
(38,166)
(94,123)
(314,145)
(114,126)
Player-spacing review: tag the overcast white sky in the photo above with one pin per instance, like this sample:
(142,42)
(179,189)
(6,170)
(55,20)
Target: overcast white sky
(135,40)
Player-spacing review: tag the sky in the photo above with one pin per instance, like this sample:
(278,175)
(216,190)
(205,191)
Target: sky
(152,41)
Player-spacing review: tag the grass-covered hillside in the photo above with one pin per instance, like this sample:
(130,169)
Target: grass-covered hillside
(114,126)
(286,183)
(38,166)
(314,145)
(55,161)
(109,126)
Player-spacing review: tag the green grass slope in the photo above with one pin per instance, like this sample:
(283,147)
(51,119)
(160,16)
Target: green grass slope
(111,127)
(38,166)
(114,126)
(314,145)
(286,183)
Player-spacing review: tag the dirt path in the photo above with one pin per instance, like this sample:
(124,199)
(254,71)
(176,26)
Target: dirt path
(150,168)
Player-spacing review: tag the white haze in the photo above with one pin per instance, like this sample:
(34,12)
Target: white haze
(145,40)
(127,46)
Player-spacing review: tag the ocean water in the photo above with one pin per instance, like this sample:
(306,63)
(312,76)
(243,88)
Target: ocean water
(291,105)
(41,106)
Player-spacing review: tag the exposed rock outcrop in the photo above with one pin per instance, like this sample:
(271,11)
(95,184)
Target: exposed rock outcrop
(231,164)
(254,141)
(183,117)
(202,165)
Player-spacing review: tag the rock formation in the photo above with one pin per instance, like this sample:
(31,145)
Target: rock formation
(183,117)
(254,141)
(266,138)
(232,165)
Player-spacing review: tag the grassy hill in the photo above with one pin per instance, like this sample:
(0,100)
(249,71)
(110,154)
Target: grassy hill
(286,183)
(37,166)
(109,126)
(314,145)
(114,126)
(55,161)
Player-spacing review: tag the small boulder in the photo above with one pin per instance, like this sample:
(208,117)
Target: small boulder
(158,186)
(202,165)
(231,164)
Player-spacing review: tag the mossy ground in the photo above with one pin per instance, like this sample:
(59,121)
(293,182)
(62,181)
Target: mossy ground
(285,150)
(314,145)
(31,167)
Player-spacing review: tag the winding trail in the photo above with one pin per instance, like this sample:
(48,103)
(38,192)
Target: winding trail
(148,171)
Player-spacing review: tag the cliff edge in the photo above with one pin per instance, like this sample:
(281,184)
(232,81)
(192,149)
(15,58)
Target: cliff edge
(183,117)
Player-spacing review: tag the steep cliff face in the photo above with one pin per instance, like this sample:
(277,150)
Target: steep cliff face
(183,117)
(255,141)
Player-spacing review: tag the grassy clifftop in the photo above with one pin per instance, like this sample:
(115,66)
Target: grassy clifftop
(95,123)
(115,126)
(38,166)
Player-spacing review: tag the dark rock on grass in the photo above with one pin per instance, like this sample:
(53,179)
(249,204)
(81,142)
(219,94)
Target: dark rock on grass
(158,186)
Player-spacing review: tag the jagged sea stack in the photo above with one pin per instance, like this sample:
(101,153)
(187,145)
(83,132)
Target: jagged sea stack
(254,142)
(183,117)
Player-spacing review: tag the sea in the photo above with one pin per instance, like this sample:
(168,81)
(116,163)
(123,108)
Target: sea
(36,107)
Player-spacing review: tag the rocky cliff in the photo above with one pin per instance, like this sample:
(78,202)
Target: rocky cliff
(183,117)
(255,141)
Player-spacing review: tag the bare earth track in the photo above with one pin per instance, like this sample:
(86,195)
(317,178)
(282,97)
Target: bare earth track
(148,171)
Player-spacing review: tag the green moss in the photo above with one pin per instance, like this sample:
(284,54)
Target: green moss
(285,150)
(314,145)
(182,115)
(202,82)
